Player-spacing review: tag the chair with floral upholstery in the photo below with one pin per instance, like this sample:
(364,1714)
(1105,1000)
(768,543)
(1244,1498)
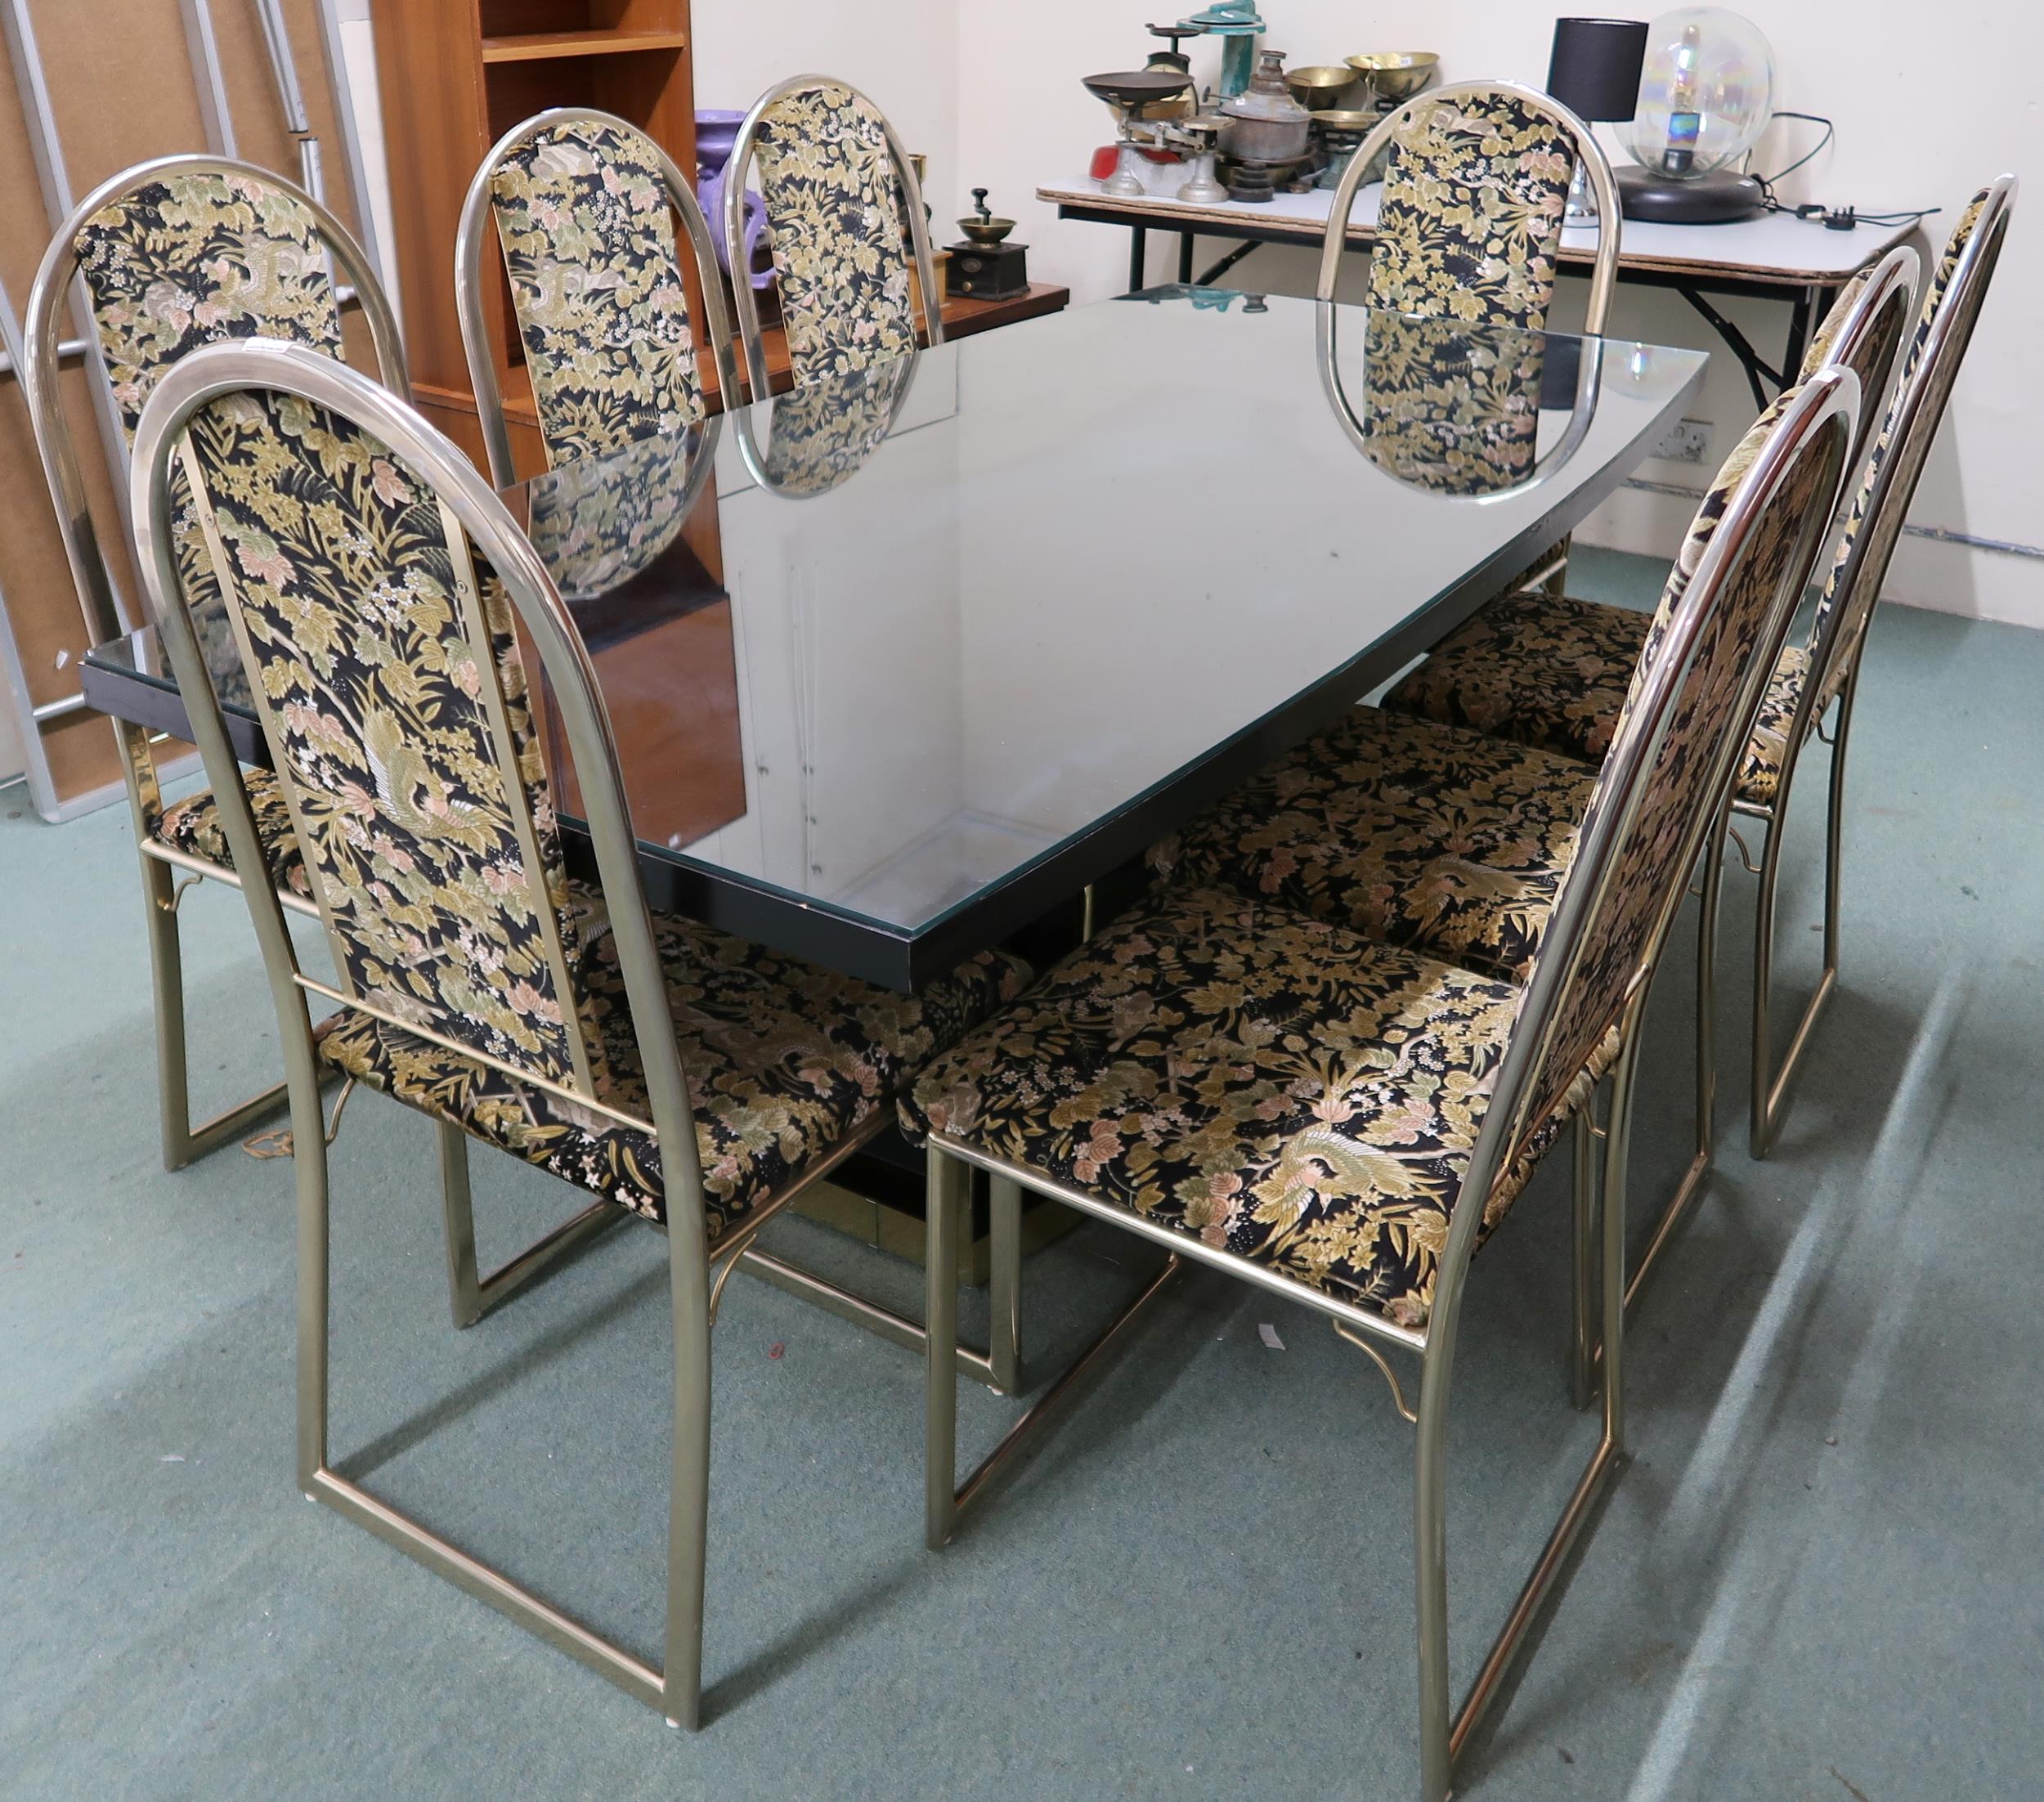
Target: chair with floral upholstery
(584,203)
(1475,186)
(1551,673)
(847,216)
(664,1070)
(1342,1121)
(1440,836)
(175,253)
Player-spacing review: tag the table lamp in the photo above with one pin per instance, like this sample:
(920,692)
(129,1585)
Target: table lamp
(1707,95)
(1594,72)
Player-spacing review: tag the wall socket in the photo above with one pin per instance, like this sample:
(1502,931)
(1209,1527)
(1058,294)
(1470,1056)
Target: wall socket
(1687,440)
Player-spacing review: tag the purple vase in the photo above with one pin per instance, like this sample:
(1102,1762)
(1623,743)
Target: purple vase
(716,135)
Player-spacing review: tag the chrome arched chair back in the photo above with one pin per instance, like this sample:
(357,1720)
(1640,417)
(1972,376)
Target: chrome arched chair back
(836,180)
(1452,411)
(241,253)
(1950,308)
(1434,144)
(570,191)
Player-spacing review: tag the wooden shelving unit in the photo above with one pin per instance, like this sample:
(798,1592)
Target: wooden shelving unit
(454,76)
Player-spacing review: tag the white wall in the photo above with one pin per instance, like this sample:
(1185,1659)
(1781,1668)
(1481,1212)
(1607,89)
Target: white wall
(902,53)
(1902,143)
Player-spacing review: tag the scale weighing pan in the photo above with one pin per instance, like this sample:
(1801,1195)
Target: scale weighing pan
(1132,88)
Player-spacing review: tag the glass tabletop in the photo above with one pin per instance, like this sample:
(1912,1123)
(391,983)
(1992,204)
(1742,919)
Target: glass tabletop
(883,647)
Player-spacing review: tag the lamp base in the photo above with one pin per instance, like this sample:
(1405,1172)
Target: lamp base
(1717,198)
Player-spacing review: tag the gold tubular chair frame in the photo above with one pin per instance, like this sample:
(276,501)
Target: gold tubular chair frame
(743,149)
(471,310)
(1835,664)
(697,1270)
(98,600)
(1817,422)
(1589,154)
(1884,306)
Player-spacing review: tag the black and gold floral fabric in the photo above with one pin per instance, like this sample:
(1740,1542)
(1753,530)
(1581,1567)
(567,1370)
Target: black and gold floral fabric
(783,1061)
(1447,410)
(1650,861)
(392,697)
(582,212)
(194,259)
(1270,1084)
(840,234)
(1553,672)
(1471,216)
(194,825)
(1427,837)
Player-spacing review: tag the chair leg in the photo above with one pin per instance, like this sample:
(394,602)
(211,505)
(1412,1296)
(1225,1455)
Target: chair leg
(945,1195)
(1694,1179)
(183,1143)
(471,1295)
(1440,1745)
(1770,1086)
(1004,1283)
(689,1505)
(1583,1358)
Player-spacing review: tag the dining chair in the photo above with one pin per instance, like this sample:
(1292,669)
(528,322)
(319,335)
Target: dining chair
(376,587)
(1341,1121)
(1441,837)
(584,203)
(175,253)
(845,216)
(1550,673)
(1476,182)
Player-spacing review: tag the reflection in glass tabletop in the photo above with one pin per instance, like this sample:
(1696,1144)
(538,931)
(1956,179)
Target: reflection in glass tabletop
(897,661)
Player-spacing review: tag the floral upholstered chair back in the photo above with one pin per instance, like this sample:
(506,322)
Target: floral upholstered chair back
(1476,184)
(1712,646)
(383,656)
(846,219)
(582,206)
(824,434)
(1944,327)
(174,254)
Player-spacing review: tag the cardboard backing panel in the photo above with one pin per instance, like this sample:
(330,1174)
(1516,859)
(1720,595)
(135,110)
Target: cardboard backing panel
(122,91)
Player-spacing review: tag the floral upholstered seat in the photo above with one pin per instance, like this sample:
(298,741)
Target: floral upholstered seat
(784,1060)
(1437,839)
(194,827)
(1553,672)
(1265,1082)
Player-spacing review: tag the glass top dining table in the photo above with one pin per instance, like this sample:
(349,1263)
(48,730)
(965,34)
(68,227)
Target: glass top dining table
(898,662)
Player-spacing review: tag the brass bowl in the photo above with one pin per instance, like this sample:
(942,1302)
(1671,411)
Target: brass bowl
(1320,86)
(1129,88)
(988,232)
(1397,75)
(1347,119)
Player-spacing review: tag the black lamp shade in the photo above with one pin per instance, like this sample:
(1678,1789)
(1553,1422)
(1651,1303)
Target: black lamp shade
(1596,66)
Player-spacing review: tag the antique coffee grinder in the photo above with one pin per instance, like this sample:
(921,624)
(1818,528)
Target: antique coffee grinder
(986,266)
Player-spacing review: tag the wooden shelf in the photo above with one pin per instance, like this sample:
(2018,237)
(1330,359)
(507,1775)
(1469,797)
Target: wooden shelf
(551,46)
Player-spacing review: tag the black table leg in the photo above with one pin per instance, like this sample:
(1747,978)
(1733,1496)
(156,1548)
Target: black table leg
(1185,256)
(1802,315)
(1741,346)
(1138,259)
